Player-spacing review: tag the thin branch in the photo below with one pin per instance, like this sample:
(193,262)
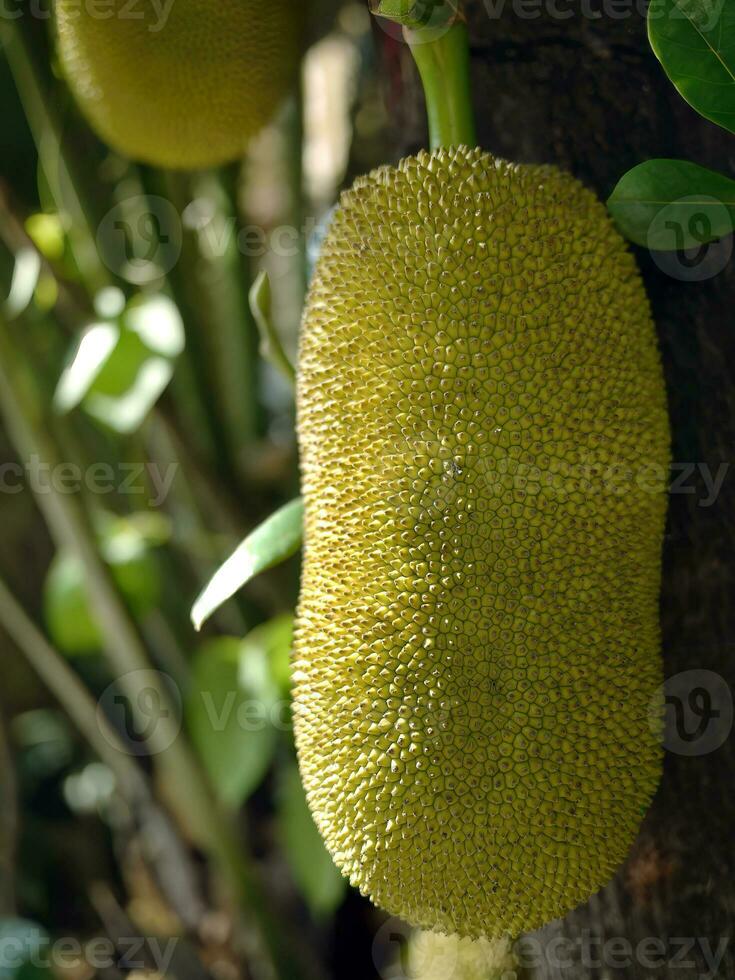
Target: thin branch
(72,695)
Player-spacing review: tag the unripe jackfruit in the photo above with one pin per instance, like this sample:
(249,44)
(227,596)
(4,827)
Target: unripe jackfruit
(180,83)
(484,436)
(434,956)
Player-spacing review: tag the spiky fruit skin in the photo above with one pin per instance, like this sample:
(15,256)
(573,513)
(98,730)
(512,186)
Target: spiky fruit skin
(485,446)
(434,956)
(182,84)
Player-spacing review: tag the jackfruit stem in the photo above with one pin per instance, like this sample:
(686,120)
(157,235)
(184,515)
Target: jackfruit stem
(444,67)
(440,47)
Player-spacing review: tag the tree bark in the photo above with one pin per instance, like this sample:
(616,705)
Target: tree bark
(585,91)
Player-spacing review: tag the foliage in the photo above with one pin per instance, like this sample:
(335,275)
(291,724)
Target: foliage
(695,42)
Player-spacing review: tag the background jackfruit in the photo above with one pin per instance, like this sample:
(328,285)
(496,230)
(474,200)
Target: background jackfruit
(485,447)
(184,83)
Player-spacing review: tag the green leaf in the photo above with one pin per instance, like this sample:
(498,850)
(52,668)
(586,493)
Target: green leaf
(272,643)
(668,205)
(695,42)
(118,371)
(26,274)
(157,321)
(279,642)
(47,233)
(92,352)
(126,412)
(271,348)
(277,538)
(232,712)
(24,947)
(125,544)
(315,873)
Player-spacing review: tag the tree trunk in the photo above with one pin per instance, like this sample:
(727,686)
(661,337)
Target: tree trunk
(583,90)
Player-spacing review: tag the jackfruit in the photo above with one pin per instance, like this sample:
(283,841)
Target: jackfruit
(182,84)
(434,956)
(484,437)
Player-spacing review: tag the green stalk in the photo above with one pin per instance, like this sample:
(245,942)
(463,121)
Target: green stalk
(440,47)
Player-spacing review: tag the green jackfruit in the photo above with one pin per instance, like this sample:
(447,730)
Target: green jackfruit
(433,956)
(180,83)
(485,446)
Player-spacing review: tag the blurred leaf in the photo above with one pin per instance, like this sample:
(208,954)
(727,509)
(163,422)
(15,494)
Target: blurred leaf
(120,371)
(134,532)
(158,323)
(277,538)
(230,713)
(24,947)
(109,302)
(315,873)
(271,348)
(92,353)
(47,234)
(88,790)
(275,638)
(45,743)
(695,42)
(25,279)
(699,205)
(126,412)
(47,293)
(135,569)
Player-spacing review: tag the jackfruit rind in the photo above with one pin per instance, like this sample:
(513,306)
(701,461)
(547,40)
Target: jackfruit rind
(180,83)
(485,446)
(435,956)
